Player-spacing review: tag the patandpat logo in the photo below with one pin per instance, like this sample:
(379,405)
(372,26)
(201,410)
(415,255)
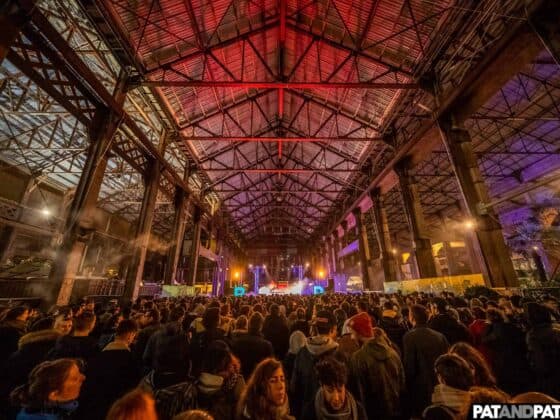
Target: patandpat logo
(515,411)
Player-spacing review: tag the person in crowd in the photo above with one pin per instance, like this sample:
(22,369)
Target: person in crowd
(275,330)
(168,335)
(341,318)
(421,347)
(543,345)
(110,374)
(12,328)
(193,415)
(304,383)
(533,398)
(347,344)
(151,325)
(301,323)
(333,401)
(443,322)
(252,348)
(219,386)
(483,375)
(51,391)
(170,349)
(241,327)
(202,339)
(297,341)
(392,324)
(376,370)
(506,349)
(477,327)
(78,344)
(481,395)
(265,395)
(33,348)
(135,405)
(455,377)
(226,320)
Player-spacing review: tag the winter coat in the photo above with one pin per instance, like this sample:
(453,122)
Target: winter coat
(508,357)
(168,337)
(452,329)
(377,379)
(421,347)
(543,344)
(142,339)
(199,343)
(251,349)
(347,345)
(394,328)
(217,397)
(74,348)
(275,329)
(304,383)
(33,349)
(10,333)
(110,374)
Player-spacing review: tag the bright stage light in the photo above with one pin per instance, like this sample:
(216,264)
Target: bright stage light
(535,248)
(468,224)
(321,274)
(250,265)
(46,212)
(394,251)
(236,274)
(306,265)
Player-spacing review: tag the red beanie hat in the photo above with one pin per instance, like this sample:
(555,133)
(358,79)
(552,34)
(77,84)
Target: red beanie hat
(361,324)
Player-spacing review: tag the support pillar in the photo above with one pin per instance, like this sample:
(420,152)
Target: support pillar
(364,247)
(539,265)
(69,255)
(388,261)
(343,242)
(413,209)
(335,249)
(497,261)
(195,246)
(330,259)
(177,235)
(143,231)
(544,22)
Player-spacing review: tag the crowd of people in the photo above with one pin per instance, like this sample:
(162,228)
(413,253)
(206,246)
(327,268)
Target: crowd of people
(334,356)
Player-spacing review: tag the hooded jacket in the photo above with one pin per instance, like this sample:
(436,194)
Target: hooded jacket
(33,349)
(452,329)
(304,383)
(377,379)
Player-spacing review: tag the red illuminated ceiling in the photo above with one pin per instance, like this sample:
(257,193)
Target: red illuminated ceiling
(290,107)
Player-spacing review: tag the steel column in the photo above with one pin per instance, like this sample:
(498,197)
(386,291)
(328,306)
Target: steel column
(388,261)
(177,235)
(143,231)
(195,246)
(415,216)
(497,259)
(364,247)
(336,249)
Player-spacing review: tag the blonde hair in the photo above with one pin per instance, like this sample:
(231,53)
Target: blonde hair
(136,405)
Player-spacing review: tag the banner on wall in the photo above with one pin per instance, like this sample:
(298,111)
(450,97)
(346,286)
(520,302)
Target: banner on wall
(455,284)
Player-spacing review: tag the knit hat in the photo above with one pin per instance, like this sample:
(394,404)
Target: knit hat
(361,324)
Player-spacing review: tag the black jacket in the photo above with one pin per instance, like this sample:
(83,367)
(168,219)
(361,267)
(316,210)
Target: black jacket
(543,344)
(275,330)
(74,347)
(421,347)
(304,383)
(395,330)
(452,329)
(508,356)
(109,375)
(33,349)
(251,349)
(10,333)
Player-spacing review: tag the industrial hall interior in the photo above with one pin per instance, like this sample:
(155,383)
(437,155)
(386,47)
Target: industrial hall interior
(278,209)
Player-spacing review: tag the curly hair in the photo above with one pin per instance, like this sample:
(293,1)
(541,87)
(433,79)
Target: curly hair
(254,399)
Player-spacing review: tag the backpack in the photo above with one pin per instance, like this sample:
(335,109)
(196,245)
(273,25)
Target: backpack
(175,399)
